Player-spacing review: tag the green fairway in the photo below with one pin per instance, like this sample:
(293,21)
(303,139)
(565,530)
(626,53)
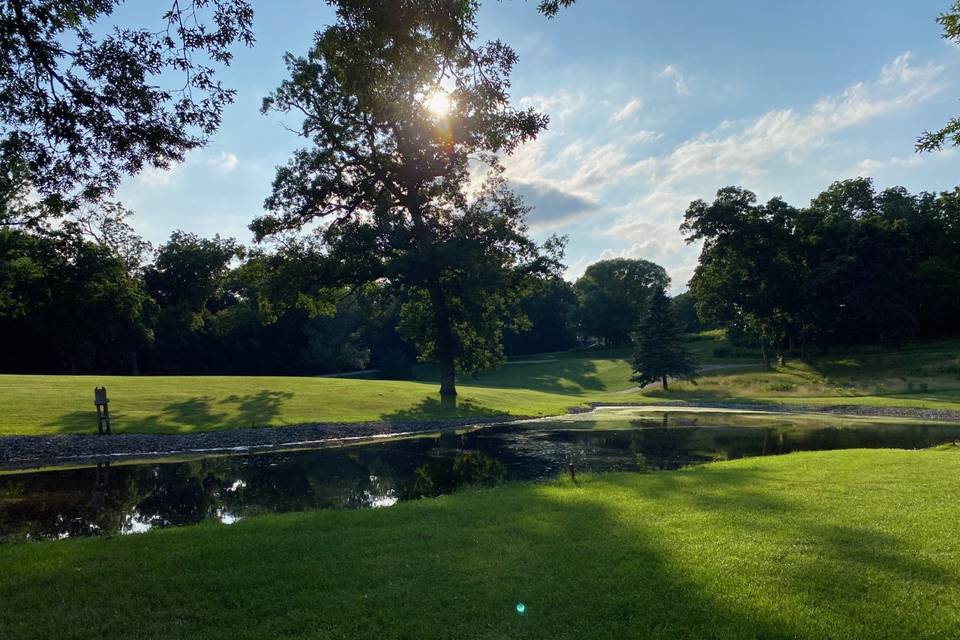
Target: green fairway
(173,404)
(846,544)
(922,375)
(917,375)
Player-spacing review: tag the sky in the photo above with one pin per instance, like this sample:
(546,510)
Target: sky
(652,105)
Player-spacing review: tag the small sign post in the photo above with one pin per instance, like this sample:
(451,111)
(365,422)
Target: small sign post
(103,410)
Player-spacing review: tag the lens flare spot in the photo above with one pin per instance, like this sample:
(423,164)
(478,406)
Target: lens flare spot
(521,608)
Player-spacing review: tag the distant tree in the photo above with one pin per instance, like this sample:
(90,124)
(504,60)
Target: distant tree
(611,295)
(685,310)
(861,282)
(853,267)
(659,351)
(107,224)
(68,304)
(747,274)
(396,101)
(550,308)
(950,132)
(83,104)
(188,280)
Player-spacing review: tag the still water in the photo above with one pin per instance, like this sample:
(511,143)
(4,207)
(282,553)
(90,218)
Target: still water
(135,497)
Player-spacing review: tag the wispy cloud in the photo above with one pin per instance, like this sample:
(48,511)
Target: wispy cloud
(671,72)
(627,110)
(225,162)
(156,176)
(769,149)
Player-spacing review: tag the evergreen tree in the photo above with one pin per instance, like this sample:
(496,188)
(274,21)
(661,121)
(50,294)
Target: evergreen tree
(659,350)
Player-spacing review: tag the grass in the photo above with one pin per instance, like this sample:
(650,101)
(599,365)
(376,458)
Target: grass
(45,405)
(924,375)
(845,544)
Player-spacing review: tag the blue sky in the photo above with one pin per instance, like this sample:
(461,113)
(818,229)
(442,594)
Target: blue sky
(652,104)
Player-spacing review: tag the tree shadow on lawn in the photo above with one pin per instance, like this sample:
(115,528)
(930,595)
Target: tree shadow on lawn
(197,413)
(430,409)
(559,376)
(584,563)
(258,408)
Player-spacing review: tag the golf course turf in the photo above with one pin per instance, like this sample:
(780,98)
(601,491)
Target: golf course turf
(924,375)
(844,544)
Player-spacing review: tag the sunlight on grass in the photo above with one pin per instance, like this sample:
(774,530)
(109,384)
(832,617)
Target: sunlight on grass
(799,546)
(922,376)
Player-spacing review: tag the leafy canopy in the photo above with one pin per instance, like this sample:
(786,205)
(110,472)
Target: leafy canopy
(385,181)
(950,132)
(82,105)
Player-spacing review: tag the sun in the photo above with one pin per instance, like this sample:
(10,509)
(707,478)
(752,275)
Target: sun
(438,102)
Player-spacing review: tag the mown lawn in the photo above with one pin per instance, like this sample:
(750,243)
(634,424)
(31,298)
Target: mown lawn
(176,404)
(846,544)
(917,375)
(921,375)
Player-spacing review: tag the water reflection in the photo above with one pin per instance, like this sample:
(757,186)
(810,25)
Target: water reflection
(132,498)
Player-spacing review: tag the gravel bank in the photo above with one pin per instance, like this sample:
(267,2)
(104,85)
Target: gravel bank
(34,451)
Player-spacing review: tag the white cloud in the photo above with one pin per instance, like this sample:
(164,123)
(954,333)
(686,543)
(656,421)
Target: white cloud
(777,144)
(679,81)
(156,176)
(642,136)
(225,162)
(560,106)
(871,166)
(788,136)
(640,194)
(628,110)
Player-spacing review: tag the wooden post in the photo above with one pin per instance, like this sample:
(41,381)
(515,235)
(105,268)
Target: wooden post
(103,410)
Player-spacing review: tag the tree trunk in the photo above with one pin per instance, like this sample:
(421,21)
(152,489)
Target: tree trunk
(663,381)
(445,341)
(134,363)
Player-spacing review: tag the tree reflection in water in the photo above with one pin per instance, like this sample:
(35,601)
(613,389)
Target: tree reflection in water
(127,498)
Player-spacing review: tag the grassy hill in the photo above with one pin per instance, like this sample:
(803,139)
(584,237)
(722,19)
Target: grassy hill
(920,375)
(843,544)
(916,375)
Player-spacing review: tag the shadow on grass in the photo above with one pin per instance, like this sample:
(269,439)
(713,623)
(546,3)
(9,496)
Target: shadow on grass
(258,408)
(197,413)
(558,376)
(715,554)
(441,409)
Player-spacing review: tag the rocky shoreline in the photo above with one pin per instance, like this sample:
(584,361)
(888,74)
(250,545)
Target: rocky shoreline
(17,452)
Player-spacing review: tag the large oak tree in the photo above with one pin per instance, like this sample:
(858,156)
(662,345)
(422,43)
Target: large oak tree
(400,104)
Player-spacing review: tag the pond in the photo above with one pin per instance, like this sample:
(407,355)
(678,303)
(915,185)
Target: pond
(132,497)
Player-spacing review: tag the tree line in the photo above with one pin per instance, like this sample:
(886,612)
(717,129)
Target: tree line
(88,295)
(377,217)
(855,266)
